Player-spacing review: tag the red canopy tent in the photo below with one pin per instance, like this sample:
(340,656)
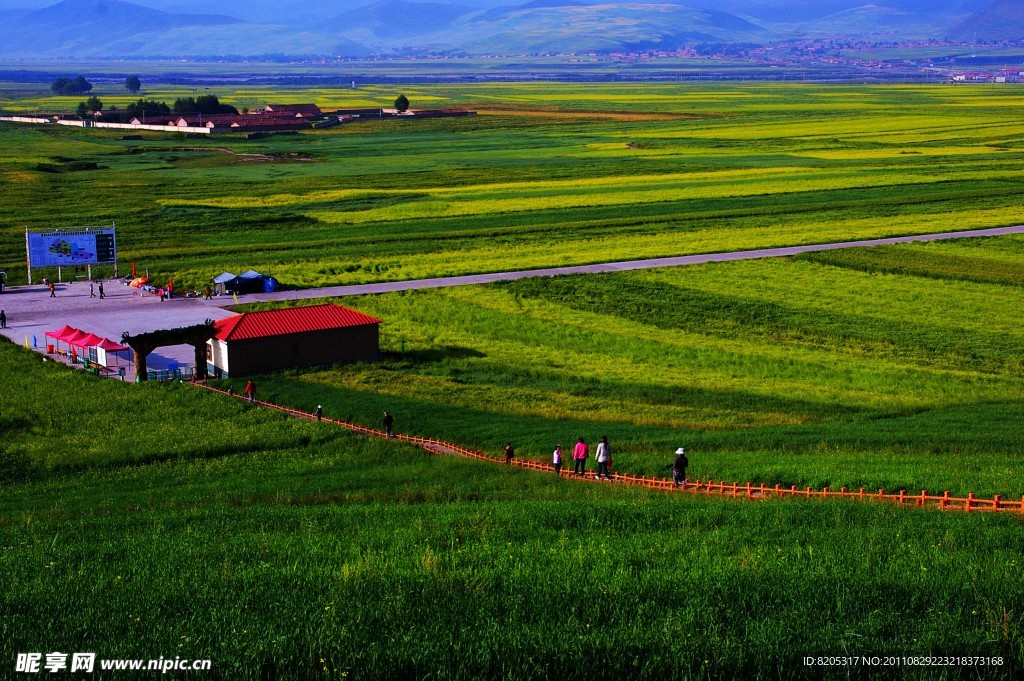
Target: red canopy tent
(59,334)
(108,347)
(87,341)
(111,346)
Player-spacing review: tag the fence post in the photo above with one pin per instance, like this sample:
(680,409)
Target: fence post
(995,502)
(808,492)
(1022,503)
(970,498)
(824,492)
(924,498)
(862,493)
(903,496)
(748,490)
(944,502)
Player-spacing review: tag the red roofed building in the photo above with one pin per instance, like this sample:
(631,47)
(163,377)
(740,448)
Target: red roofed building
(294,110)
(291,338)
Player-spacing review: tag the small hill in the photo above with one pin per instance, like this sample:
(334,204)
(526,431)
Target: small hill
(497,13)
(397,18)
(1002,20)
(556,27)
(878,20)
(79,26)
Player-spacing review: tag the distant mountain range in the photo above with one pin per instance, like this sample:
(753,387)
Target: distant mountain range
(104,28)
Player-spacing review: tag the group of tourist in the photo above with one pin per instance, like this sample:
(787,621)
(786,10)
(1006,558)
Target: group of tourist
(580,452)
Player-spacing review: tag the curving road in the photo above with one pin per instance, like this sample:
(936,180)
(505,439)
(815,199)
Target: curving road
(622,266)
(31,312)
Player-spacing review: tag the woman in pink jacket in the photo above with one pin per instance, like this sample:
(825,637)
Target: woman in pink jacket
(579,457)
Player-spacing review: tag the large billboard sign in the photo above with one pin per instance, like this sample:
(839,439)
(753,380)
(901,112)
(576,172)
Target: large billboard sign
(67,248)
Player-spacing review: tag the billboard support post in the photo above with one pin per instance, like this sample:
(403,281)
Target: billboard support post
(28,257)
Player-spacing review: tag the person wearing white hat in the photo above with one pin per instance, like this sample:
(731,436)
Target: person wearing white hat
(679,468)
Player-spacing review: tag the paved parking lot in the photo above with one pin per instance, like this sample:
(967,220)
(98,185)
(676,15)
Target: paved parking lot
(31,312)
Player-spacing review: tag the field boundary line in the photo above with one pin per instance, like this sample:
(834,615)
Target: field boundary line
(749,490)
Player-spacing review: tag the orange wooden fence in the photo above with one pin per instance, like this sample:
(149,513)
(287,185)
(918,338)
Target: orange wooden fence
(748,490)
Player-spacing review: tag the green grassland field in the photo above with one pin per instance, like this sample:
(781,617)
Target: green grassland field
(895,367)
(547,174)
(147,521)
(159,520)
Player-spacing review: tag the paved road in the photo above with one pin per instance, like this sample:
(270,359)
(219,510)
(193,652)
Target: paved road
(31,312)
(623,266)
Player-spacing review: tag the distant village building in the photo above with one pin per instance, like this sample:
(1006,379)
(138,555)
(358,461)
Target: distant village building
(291,338)
(294,110)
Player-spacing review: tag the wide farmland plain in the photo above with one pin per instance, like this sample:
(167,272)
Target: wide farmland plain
(546,175)
(897,367)
(160,520)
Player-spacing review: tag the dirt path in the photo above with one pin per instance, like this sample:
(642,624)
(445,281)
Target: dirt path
(749,490)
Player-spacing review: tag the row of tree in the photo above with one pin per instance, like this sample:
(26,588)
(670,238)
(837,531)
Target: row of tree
(206,104)
(79,85)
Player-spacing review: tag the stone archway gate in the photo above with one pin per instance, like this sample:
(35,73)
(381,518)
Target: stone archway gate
(144,343)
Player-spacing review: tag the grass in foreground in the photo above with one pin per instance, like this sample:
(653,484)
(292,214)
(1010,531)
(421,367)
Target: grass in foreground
(342,556)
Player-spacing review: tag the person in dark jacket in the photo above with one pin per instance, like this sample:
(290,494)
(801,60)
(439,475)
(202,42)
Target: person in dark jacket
(679,468)
(509,453)
(388,422)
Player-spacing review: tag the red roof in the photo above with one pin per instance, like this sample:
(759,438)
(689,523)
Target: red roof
(268,323)
(294,109)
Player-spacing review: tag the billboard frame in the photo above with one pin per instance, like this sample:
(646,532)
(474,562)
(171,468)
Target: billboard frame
(70,233)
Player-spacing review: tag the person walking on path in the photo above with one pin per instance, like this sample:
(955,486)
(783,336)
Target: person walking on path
(679,468)
(604,455)
(509,453)
(3,319)
(208,293)
(102,294)
(388,422)
(250,392)
(558,460)
(579,457)
(92,290)
(53,290)
(319,413)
